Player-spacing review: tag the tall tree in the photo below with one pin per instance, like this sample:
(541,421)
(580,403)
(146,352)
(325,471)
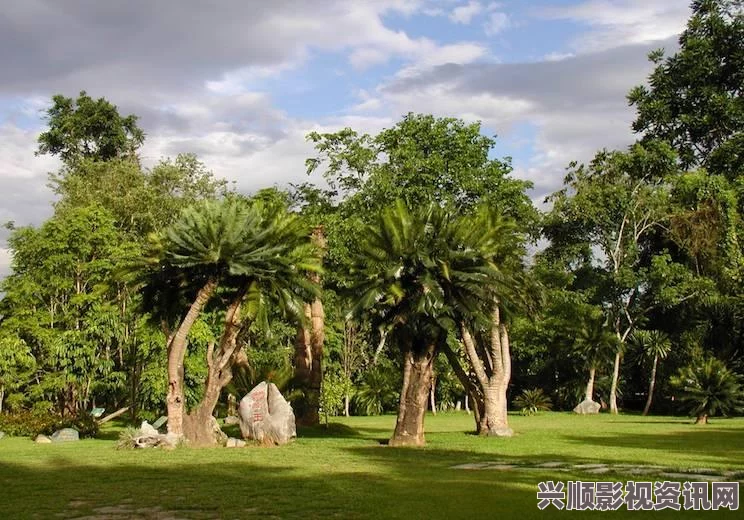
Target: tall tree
(613,207)
(421,272)
(85,128)
(653,345)
(694,97)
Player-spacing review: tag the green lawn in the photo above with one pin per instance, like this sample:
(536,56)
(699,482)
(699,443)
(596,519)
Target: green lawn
(345,471)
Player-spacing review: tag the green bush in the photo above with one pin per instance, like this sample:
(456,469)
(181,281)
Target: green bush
(33,423)
(529,402)
(708,388)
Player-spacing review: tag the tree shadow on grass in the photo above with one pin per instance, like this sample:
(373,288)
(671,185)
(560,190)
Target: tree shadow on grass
(721,446)
(359,483)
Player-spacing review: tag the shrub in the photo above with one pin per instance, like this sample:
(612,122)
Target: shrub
(709,388)
(529,402)
(33,423)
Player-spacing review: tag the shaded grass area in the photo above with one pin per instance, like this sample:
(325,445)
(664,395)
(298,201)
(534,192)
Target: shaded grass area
(344,471)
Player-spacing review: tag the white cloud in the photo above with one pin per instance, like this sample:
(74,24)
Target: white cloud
(613,23)
(497,22)
(464,14)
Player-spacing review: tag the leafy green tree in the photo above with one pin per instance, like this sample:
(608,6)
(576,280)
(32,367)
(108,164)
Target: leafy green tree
(17,365)
(604,216)
(85,128)
(654,345)
(59,303)
(693,99)
(709,388)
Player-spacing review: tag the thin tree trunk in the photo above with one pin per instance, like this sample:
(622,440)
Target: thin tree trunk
(346,405)
(613,387)
(417,377)
(651,385)
(589,395)
(432,397)
(175,400)
(2,396)
(380,346)
(467,405)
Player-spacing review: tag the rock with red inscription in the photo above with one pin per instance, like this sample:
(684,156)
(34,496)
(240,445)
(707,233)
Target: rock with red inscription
(265,416)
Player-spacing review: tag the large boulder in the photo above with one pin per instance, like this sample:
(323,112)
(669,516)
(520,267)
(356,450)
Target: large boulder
(65,435)
(265,416)
(587,407)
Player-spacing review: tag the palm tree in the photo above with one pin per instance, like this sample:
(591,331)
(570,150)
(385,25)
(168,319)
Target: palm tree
(655,345)
(246,253)
(709,388)
(596,344)
(420,273)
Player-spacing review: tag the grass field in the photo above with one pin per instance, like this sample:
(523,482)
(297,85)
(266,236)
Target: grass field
(345,471)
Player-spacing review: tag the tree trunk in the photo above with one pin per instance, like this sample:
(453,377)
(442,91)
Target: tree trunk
(589,395)
(651,385)
(613,387)
(309,351)
(702,419)
(346,405)
(2,396)
(432,397)
(417,377)
(175,400)
(471,389)
(492,368)
(200,428)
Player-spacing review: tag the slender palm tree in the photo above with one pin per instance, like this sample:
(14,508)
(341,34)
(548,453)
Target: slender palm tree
(420,273)
(595,344)
(654,345)
(246,254)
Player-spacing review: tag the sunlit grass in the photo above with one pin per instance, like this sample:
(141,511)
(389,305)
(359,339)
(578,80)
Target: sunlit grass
(345,471)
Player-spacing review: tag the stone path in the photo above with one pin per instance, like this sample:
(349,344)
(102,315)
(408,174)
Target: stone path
(689,474)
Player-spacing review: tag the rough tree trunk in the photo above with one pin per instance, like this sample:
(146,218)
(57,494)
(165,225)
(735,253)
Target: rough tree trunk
(309,351)
(651,385)
(492,368)
(613,387)
(418,370)
(589,395)
(702,419)
(199,426)
(175,400)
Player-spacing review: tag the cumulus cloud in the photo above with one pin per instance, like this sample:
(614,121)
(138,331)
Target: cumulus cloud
(463,14)
(497,23)
(612,23)
(576,105)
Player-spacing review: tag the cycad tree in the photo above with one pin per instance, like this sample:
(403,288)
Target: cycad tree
(709,388)
(420,272)
(653,345)
(247,254)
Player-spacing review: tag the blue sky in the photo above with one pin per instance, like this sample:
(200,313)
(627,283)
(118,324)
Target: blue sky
(241,82)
